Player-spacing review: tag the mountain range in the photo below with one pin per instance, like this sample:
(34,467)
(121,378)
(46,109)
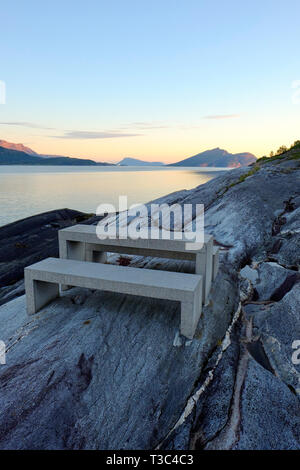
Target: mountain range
(217,158)
(19,154)
(18,147)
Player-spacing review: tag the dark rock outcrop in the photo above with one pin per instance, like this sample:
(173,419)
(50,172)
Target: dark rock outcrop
(30,240)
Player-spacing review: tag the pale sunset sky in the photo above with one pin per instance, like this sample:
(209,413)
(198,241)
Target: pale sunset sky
(156,80)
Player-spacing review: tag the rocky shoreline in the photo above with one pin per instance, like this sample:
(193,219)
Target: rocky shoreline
(30,240)
(95,370)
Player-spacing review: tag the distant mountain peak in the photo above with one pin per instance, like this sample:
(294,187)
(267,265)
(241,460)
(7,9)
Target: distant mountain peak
(18,147)
(217,149)
(217,157)
(128,161)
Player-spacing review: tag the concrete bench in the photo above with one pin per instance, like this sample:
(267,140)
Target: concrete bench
(80,242)
(42,285)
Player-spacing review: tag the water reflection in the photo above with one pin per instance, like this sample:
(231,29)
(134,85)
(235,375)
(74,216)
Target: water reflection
(26,191)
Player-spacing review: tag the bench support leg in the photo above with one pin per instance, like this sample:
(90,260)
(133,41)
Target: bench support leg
(190,314)
(39,294)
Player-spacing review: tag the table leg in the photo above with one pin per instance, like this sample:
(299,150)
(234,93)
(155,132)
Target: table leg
(71,250)
(95,256)
(204,266)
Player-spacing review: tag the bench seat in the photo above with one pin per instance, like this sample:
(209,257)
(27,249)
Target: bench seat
(42,282)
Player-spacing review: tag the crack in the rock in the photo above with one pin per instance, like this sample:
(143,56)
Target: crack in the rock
(229,436)
(192,401)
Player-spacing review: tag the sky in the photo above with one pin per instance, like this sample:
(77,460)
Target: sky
(159,80)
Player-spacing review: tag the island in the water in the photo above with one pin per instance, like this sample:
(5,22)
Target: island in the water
(218,158)
(136,162)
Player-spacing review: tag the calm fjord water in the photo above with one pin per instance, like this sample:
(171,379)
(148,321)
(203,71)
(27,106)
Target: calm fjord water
(29,190)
